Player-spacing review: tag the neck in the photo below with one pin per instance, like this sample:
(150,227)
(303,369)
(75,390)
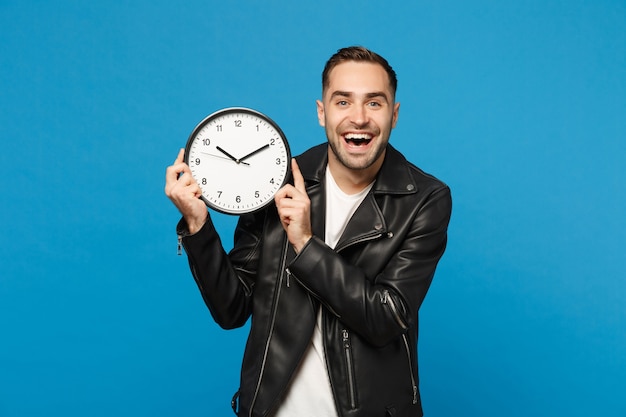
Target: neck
(352,181)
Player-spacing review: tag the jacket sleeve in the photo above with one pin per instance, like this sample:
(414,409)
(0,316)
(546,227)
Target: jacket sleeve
(226,281)
(383,308)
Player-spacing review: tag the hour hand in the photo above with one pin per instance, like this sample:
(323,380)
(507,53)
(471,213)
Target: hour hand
(255,152)
(227,154)
(222,157)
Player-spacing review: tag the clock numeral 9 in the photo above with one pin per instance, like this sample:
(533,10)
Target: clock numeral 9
(197,161)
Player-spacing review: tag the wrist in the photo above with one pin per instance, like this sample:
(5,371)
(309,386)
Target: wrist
(195,224)
(302,243)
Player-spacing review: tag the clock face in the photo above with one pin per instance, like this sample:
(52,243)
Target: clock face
(240,159)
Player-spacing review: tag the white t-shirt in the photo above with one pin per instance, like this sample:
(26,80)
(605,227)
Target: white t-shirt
(310,394)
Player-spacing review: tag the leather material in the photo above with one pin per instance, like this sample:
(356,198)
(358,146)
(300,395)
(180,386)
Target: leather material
(371,287)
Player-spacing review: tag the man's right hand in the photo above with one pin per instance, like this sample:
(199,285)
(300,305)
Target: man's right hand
(184,191)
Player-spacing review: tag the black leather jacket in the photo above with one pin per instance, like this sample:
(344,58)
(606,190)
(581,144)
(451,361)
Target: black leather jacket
(370,286)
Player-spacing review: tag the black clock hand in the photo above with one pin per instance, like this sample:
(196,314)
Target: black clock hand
(222,157)
(227,154)
(255,152)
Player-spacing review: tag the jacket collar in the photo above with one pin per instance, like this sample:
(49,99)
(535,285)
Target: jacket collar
(369,221)
(393,178)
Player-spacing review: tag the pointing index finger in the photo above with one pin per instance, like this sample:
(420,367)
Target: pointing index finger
(298,179)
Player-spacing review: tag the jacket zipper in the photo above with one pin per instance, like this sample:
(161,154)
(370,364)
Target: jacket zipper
(272,321)
(408,355)
(349,365)
(357,241)
(387,299)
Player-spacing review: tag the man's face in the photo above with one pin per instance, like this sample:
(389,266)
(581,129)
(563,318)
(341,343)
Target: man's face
(358,112)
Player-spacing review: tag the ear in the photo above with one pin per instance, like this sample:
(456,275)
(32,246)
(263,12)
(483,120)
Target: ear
(320,113)
(394,117)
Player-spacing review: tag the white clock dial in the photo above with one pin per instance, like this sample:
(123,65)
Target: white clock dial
(240,158)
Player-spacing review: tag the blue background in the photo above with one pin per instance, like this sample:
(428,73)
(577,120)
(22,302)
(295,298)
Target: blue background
(520,106)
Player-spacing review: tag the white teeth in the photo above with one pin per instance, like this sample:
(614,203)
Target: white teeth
(358,136)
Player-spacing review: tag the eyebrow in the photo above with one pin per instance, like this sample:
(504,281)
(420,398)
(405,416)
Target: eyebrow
(373,94)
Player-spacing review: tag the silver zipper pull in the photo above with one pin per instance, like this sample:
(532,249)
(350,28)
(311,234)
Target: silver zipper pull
(179,246)
(288,276)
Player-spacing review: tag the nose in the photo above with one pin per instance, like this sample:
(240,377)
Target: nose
(359,115)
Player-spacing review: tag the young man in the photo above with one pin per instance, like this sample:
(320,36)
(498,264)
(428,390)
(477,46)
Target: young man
(334,273)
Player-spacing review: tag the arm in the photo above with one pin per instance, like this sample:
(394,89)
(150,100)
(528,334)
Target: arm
(225,282)
(385,306)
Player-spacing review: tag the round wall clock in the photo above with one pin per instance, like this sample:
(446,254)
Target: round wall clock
(240,158)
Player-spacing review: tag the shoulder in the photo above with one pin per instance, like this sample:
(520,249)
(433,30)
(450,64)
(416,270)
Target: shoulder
(398,175)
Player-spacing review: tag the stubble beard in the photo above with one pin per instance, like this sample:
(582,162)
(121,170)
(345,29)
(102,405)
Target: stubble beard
(361,163)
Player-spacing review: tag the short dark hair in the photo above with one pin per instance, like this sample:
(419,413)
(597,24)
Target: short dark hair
(358,54)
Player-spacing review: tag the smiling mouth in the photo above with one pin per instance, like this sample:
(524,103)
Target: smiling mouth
(358,139)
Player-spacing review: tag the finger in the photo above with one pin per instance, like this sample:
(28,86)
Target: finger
(181,156)
(298,179)
(179,166)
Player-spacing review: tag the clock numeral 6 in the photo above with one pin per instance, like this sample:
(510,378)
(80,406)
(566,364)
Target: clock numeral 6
(238,199)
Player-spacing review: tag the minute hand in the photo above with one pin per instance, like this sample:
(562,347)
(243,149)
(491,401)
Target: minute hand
(255,152)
